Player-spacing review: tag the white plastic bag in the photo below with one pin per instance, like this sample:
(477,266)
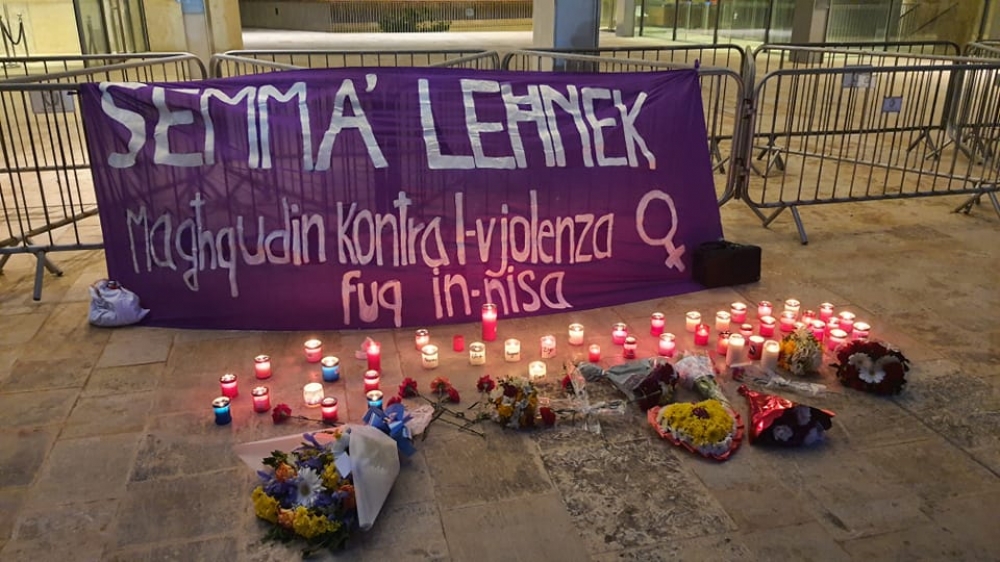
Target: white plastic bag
(375,463)
(113,305)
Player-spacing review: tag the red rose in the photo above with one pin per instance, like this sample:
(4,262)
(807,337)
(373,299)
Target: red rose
(393,400)
(548,416)
(485,384)
(440,385)
(281,413)
(452,394)
(509,390)
(408,388)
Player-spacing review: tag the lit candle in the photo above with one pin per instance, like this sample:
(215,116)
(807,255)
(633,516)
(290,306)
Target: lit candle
(429,357)
(756,347)
(722,343)
(818,329)
(787,321)
(808,316)
(261,399)
(222,414)
(314,350)
(536,370)
(738,312)
(594,353)
(769,357)
(736,354)
(746,330)
(860,331)
(374,353)
(832,324)
(667,345)
(691,321)
(825,312)
(618,333)
(512,351)
(489,322)
(576,334)
(701,334)
(458,343)
(262,366)
(312,394)
(630,347)
(548,347)
(330,366)
(764,308)
(836,338)
(421,338)
(767,326)
(722,321)
(374,398)
(329,408)
(657,321)
(793,306)
(228,384)
(477,353)
(846,321)
(372,380)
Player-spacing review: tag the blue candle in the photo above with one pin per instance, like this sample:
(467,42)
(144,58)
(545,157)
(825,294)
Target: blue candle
(222,414)
(331,369)
(374,398)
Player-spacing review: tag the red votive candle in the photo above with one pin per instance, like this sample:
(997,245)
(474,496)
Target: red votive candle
(262,366)
(458,343)
(667,345)
(746,330)
(701,334)
(788,321)
(374,353)
(314,350)
(489,322)
(722,344)
(421,338)
(329,408)
(630,347)
(227,382)
(618,333)
(261,397)
(818,329)
(767,326)
(764,308)
(755,347)
(738,312)
(825,312)
(657,321)
(594,353)
(372,379)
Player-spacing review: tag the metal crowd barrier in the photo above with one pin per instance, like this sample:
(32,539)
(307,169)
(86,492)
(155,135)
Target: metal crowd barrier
(240,63)
(136,67)
(46,188)
(983,50)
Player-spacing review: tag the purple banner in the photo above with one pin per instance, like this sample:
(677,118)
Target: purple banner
(387,197)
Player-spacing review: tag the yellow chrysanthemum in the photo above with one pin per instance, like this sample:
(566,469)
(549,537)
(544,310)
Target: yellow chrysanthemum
(264,505)
(505,412)
(331,478)
(712,426)
(309,525)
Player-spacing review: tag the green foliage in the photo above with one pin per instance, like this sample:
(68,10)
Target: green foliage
(411,20)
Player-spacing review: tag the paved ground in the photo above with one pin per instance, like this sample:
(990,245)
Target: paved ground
(109,451)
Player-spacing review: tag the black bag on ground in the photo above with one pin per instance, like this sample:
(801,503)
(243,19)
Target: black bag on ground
(722,263)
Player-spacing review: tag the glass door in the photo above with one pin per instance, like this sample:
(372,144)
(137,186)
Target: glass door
(90,21)
(111,26)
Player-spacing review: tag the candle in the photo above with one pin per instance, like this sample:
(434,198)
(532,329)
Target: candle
(736,354)
(831,325)
(576,334)
(722,321)
(618,333)
(548,347)
(314,350)
(764,308)
(221,407)
(860,331)
(594,353)
(738,312)
(746,330)
(722,343)
(767,326)
(374,353)
(421,338)
(262,366)
(836,338)
(228,384)
(330,366)
(489,322)
(372,380)
(312,394)
(429,357)
(667,345)
(458,343)
(793,306)
(329,408)
(477,353)
(657,321)
(787,321)
(261,399)
(756,347)
(536,370)
(701,334)
(512,351)
(808,316)
(825,312)
(691,321)
(629,347)
(818,329)
(846,321)
(374,398)
(769,357)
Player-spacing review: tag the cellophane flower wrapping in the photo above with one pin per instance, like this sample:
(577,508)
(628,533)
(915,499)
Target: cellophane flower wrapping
(697,372)
(648,383)
(778,421)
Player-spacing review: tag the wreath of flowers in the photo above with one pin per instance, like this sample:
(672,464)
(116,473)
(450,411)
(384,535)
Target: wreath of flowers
(709,428)
(872,366)
(801,353)
(514,403)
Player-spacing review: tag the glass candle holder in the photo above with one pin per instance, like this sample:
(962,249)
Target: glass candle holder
(630,347)
(787,321)
(330,366)
(846,321)
(764,308)
(808,316)
(576,334)
(594,353)
(222,413)
(618,333)
(835,339)
(737,353)
(548,347)
(374,398)
(429,357)
(701,334)
(722,321)
(312,394)
(657,322)
(738,312)
(825,312)
(536,370)
(722,343)
(667,345)
(261,397)
(818,329)
(228,385)
(691,321)
(512,351)
(755,347)
(328,407)
(489,315)
(374,354)
(769,356)
(477,353)
(767,326)
(458,343)
(421,338)
(860,331)
(746,330)
(372,380)
(793,306)
(262,366)
(314,350)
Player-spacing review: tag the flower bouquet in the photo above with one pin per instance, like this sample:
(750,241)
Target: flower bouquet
(709,428)
(871,366)
(801,353)
(777,421)
(697,372)
(514,403)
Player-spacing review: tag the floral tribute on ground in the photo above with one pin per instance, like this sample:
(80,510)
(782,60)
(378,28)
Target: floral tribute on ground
(872,366)
(801,353)
(777,421)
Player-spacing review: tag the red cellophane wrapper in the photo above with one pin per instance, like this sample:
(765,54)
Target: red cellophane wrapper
(778,421)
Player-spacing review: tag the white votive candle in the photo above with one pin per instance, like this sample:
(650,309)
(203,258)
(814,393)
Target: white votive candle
(547,345)
(769,356)
(429,357)
(312,394)
(536,370)
(722,321)
(576,334)
(793,306)
(691,321)
(736,355)
(512,351)
(477,353)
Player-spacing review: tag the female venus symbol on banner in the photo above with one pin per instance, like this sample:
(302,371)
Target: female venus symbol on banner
(674,253)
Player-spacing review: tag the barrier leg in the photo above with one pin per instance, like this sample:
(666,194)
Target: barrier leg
(41,264)
(995,201)
(3,262)
(720,165)
(799,225)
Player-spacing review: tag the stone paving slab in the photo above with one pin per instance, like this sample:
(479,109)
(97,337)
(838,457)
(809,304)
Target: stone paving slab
(83,470)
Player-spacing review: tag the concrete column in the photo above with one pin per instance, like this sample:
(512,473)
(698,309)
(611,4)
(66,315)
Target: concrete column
(809,26)
(197,31)
(625,18)
(227,29)
(566,24)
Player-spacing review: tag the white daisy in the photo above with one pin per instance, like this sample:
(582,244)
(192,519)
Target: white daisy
(782,432)
(308,486)
(860,361)
(803,414)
